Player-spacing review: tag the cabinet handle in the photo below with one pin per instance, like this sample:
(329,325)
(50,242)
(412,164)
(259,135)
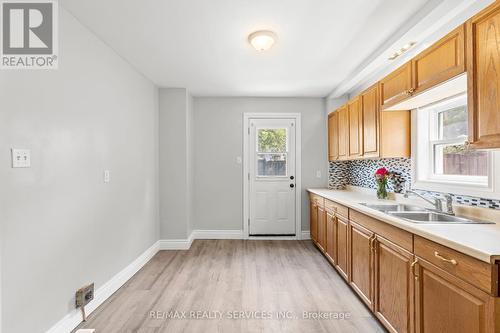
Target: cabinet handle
(372,240)
(411,91)
(440,257)
(414,263)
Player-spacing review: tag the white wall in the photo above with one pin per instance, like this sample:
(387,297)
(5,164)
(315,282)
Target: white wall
(218,140)
(175,163)
(62,226)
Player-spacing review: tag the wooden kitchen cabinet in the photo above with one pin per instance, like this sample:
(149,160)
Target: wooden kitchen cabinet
(313,220)
(370,122)
(361,261)
(395,134)
(393,286)
(355,128)
(342,232)
(321,228)
(483,68)
(343,132)
(333,137)
(331,242)
(440,62)
(445,303)
(396,86)
(411,284)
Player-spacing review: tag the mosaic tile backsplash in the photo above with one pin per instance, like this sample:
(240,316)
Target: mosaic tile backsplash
(361,173)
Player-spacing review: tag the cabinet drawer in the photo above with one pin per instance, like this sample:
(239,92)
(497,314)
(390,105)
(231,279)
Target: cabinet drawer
(340,209)
(476,272)
(395,235)
(320,201)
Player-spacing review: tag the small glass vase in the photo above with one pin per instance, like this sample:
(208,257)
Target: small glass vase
(382,190)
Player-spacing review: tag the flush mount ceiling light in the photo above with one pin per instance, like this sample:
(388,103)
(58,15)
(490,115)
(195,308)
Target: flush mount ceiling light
(262,40)
(402,50)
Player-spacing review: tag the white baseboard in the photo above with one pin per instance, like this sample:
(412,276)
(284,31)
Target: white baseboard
(176,244)
(306,235)
(217,234)
(74,318)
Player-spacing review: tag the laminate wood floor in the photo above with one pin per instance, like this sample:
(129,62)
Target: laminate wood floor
(222,278)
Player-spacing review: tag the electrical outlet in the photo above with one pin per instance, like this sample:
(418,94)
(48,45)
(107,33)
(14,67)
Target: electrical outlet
(21,158)
(84,295)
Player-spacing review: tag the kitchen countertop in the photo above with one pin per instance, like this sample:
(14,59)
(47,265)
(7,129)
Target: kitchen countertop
(481,241)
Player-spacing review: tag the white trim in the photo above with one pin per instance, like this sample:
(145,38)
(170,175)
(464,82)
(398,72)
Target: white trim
(298,167)
(176,244)
(217,234)
(74,318)
(306,234)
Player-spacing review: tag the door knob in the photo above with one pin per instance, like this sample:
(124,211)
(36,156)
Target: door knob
(292,185)
(292,177)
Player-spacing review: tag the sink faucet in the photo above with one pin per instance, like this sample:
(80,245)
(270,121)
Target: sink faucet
(437,203)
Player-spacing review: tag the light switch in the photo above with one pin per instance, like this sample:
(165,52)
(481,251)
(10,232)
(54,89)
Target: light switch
(318,174)
(238,160)
(21,158)
(106,176)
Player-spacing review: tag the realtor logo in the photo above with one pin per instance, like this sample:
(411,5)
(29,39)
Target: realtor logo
(29,34)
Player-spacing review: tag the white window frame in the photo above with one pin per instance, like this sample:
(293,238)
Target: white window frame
(423,142)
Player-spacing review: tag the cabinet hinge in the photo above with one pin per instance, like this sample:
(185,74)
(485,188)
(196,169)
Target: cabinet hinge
(249,176)
(249,131)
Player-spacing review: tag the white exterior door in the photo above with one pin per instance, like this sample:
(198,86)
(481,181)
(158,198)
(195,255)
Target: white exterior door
(272,151)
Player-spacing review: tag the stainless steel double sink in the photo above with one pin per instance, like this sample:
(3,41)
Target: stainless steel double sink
(416,214)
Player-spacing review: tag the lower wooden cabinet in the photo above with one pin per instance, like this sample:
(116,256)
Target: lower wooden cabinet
(331,241)
(399,277)
(313,220)
(445,303)
(393,286)
(342,232)
(361,261)
(321,228)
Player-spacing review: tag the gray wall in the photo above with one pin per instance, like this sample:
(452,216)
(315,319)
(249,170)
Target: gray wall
(218,140)
(62,226)
(175,163)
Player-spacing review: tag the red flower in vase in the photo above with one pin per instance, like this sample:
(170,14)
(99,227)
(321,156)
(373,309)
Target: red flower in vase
(382,173)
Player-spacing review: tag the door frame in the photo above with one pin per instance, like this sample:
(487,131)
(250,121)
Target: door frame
(298,172)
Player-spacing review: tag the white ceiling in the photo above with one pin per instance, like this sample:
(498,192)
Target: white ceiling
(202,44)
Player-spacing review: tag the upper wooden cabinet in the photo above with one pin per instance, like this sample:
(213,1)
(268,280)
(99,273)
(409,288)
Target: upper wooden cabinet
(343,132)
(395,134)
(483,74)
(333,136)
(371,122)
(439,63)
(396,86)
(355,132)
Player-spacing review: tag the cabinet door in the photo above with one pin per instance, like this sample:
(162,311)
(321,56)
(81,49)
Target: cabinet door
(445,303)
(483,66)
(333,137)
(394,87)
(370,118)
(343,124)
(321,228)
(394,295)
(355,128)
(361,262)
(331,242)
(342,246)
(314,221)
(441,62)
